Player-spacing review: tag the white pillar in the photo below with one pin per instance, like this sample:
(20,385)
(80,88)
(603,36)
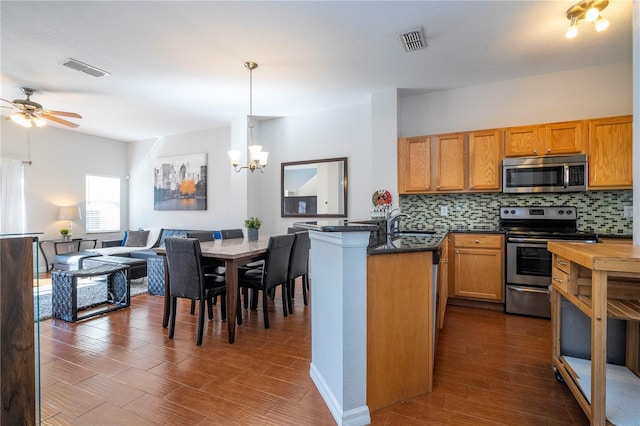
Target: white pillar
(339,323)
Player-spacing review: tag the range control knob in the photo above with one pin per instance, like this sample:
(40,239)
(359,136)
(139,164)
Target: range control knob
(513,212)
(560,211)
(506,212)
(569,212)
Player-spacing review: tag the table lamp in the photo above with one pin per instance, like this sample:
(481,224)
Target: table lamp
(69,213)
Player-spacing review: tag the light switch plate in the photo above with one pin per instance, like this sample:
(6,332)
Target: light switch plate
(628,211)
(444,211)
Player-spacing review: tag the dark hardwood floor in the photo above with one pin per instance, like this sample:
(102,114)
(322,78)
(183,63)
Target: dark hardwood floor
(121,369)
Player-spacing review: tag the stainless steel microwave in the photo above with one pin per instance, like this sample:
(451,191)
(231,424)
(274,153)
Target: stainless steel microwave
(545,174)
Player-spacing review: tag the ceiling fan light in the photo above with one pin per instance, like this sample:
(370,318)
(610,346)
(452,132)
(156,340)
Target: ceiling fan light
(592,14)
(601,24)
(21,118)
(39,121)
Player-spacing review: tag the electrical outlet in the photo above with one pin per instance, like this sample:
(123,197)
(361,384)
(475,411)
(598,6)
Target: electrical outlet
(628,211)
(444,211)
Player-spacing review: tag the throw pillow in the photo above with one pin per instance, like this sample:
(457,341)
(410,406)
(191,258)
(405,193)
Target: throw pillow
(136,238)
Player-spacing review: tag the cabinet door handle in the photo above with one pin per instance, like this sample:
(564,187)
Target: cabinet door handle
(548,150)
(535,151)
(558,280)
(457,251)
(561,262)
(477,241)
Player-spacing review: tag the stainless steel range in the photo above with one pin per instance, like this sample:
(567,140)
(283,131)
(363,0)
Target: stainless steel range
(528,263)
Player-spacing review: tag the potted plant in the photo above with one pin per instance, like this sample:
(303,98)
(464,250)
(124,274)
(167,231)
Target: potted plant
(252,224)
(64,233)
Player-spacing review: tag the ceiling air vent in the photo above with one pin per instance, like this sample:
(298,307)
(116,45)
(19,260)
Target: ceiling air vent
(74,64)
(413,40)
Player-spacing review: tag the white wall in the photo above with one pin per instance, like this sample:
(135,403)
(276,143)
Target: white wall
(56,177)
(585,93)
(344,132)
(220,196)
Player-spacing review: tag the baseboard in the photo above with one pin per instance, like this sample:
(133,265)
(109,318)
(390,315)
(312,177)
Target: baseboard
(491,306)
(358,416)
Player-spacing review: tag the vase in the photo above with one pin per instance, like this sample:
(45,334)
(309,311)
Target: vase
(64,237)
(252,234)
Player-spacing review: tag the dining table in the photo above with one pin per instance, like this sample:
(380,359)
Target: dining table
(234,253)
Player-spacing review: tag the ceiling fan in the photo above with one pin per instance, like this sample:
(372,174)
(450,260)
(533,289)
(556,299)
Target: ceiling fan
(30,113)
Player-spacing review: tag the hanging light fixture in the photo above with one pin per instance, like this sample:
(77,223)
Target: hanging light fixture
(588,10)
(257,157)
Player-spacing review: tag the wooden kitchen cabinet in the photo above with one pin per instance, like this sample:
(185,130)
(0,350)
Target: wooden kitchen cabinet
(478,266)
(610,153)
(485,160)
(560,138)
(443,281)
(414,165)
(449,162)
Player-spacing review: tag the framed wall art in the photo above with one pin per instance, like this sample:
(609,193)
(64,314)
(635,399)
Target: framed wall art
(180,182)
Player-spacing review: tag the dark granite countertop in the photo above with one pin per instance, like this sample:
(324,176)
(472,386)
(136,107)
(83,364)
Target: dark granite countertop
(337,225)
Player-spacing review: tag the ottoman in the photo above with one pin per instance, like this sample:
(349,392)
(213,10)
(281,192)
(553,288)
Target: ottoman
(71,261)
(64,292)
(137,267)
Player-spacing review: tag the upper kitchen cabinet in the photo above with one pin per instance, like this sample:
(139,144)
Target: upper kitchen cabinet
(610,153)
(546,139)
(414,165)
(449,162)
(485,157)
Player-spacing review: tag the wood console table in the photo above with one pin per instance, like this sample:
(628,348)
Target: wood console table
(602,280)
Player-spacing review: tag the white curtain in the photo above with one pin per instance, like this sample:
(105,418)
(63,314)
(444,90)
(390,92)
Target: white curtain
(12,197)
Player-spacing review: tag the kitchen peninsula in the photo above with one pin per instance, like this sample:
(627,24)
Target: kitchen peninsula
(372,317)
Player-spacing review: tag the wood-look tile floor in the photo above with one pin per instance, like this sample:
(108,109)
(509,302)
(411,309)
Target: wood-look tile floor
(121,369)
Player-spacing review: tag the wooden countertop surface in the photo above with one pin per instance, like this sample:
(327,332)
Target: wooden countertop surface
(600,257)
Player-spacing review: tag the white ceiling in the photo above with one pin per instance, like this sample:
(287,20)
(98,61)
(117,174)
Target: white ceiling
(177,66)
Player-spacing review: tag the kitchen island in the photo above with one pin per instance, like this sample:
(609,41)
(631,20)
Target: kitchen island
(372,316)
(602,280)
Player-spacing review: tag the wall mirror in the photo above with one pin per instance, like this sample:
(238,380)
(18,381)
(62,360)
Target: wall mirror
(316,188)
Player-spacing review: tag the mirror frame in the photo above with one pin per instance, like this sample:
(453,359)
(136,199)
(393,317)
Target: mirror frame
(325,160)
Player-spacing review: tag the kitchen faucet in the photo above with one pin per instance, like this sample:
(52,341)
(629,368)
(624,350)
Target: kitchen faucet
(392,220)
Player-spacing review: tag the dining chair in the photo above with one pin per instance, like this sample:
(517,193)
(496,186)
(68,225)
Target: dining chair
(228,234)
(188,280)
(274,273)
(211,266)
(299,266)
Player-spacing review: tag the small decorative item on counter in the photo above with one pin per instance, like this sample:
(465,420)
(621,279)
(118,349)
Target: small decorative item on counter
(64,234)
(253,225)
(381,201)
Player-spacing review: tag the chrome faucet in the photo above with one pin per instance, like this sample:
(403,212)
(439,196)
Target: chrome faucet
(392,220)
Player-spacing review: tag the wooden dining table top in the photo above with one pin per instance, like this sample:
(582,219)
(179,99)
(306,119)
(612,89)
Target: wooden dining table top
(230,249)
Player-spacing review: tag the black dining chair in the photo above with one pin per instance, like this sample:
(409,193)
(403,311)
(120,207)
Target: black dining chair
(229,234)
(211,266)
(274,273)
(299,266)
(188,280)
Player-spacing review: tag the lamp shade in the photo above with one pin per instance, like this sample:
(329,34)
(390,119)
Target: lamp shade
(69,213)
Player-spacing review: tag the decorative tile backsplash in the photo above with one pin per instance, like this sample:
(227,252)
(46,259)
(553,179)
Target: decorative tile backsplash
(598,211)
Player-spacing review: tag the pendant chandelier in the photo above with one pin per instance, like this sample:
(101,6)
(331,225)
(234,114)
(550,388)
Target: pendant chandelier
(257,157)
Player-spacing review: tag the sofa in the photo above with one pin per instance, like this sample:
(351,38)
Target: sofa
(138,245)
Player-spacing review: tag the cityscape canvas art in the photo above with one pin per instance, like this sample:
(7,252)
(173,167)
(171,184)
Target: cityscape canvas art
(180,182)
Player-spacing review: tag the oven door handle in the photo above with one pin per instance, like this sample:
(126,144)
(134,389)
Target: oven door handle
(526,240)
(545,240)
(528,290)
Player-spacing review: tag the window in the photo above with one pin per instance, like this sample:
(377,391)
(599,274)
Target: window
(103,204)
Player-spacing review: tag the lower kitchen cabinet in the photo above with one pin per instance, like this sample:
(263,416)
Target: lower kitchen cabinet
(477,266)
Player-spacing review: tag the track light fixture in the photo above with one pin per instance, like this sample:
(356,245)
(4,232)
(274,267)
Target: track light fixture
(587,10)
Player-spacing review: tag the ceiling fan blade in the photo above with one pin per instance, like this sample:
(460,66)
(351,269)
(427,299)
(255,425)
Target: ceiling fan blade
(58,120)
(9,102)
(63,113)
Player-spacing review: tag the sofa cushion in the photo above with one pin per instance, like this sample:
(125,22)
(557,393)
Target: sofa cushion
(136,239)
